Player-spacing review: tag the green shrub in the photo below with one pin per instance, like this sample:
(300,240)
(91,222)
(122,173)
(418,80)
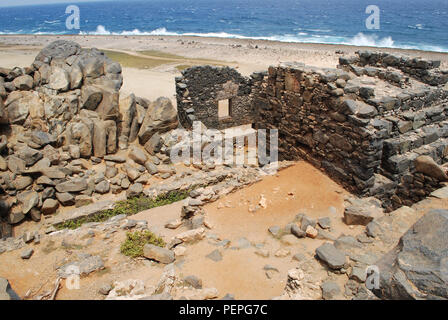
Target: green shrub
(135,241)
(128,207)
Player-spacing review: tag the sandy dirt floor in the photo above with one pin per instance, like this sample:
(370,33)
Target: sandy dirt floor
(298,189)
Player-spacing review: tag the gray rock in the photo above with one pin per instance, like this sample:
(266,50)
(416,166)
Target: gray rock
(29,155)
(373,229)
(42,138)
(160,117)
(151,167)
(243,243)
(333,257)
(59,79)
(330,290)
(115,158)
(21,182)
(111,172)
(417,268)
(86,265)
(215,255)
(27,253)
(347,243)
(305,222)
(50,206)
(24,83)
(65,198)
(16,164)
(358,274)
(134,190)
(138,155)
(299,233)
(275,231)
(102,187)
(105,289)
(324,223)
(6,292)
(15,215)
(154,144)
(193,281)
(158,254)
(361,213)
(75,185)
(28,199)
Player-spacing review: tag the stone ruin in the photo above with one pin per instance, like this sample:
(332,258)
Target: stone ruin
(62,115)
(202,89)
(377,123)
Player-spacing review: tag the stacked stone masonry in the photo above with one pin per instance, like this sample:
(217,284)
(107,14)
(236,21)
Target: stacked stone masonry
(363,123)
(201,88)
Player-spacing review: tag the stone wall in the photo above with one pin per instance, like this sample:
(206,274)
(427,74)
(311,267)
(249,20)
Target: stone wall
(318,122)
(199,90)
(368,62)
(363,123)
(365,130)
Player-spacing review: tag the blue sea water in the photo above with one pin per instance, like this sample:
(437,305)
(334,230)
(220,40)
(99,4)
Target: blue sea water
(412,24)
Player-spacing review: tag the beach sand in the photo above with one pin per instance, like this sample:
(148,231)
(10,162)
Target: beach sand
(167,55)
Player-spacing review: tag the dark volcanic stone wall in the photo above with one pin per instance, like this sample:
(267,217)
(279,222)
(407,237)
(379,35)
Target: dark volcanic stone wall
(426,71)
(364,123)
(316,122)
(199,90)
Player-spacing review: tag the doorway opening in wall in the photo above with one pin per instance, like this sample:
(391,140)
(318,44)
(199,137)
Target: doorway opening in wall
(224,109)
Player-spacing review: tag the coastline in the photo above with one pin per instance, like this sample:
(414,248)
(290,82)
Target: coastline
(172,53)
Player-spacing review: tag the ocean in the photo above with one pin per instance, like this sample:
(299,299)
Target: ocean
(409,24)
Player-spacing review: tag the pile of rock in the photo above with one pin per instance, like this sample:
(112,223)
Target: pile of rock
(365,62)
(63,115)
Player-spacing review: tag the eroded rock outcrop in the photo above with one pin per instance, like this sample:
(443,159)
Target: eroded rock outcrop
(417,268)
(62,115)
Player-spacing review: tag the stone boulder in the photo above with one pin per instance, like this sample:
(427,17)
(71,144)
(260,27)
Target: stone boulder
(362,211)
(426,165)
(59,79)
(20,104)
(332,256)
(60,49)
(417,268)
(23,83)
(158,254)
(161,116)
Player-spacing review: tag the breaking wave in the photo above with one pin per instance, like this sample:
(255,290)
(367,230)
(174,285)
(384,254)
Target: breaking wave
(371,41)
(359,39)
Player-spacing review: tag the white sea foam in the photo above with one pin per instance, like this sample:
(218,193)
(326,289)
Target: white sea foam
(362,39)
(359,39)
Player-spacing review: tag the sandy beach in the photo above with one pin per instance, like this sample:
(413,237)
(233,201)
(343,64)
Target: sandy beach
(166,56)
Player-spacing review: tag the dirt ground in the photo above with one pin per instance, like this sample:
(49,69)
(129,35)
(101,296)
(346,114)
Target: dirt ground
(298,189)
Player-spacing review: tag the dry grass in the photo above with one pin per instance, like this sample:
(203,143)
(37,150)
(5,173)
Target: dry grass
(155,59)
(130,61)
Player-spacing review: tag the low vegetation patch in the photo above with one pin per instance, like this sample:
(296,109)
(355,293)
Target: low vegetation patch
(130,61)
(135,241)
(153,58)
(128,207)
